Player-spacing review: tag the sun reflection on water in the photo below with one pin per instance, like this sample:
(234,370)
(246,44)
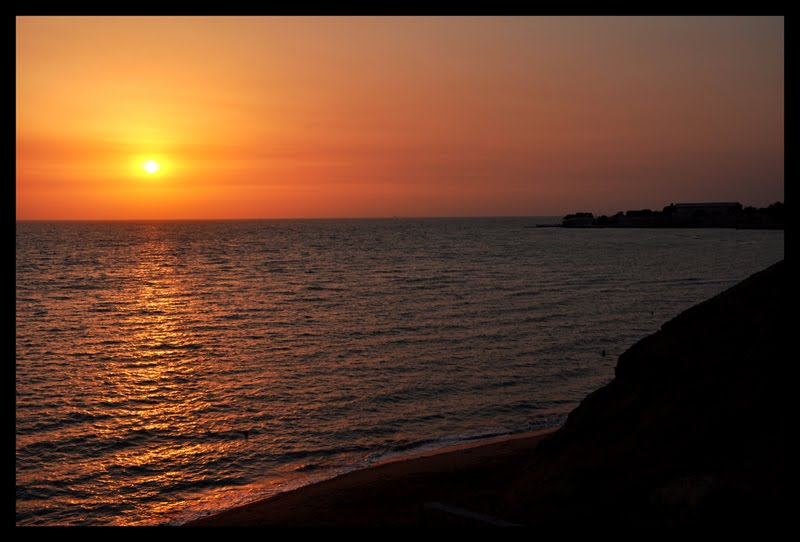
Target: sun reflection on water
(159,382)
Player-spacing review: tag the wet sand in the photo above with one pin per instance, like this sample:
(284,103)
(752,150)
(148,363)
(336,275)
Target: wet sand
(425,489)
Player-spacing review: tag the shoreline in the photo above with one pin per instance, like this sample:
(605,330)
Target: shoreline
(394,490)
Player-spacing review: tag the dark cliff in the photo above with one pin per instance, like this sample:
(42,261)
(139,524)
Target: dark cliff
(690,432)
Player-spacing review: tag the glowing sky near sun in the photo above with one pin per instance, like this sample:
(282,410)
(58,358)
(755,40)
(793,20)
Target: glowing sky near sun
(262,117)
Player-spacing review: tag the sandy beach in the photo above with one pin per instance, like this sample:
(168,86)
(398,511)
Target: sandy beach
(427,488)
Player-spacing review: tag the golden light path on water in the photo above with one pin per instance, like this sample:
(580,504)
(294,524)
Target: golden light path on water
(155,384)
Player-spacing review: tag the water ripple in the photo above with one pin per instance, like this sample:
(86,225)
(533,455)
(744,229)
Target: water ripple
(167,368)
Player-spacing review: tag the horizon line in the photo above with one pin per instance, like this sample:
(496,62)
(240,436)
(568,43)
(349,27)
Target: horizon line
(392,217)
(397,217)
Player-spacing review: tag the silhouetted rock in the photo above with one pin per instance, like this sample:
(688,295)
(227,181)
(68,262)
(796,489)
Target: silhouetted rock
(688,215)
(691,431)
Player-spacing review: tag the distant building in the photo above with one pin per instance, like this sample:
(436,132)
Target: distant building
(578,220)
(718,214)
(642,218)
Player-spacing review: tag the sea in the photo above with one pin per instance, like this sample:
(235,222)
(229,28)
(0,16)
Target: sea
(166,370)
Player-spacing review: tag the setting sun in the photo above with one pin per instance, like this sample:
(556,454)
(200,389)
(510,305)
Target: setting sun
(282,117)
(151,166)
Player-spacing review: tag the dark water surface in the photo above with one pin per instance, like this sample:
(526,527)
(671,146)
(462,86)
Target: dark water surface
(143,349)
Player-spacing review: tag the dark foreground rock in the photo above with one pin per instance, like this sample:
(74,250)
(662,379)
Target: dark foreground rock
(691,432)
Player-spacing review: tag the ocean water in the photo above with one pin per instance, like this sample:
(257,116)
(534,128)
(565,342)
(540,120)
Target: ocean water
(144,349)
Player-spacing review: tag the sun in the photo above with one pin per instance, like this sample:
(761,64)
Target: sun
(151,166)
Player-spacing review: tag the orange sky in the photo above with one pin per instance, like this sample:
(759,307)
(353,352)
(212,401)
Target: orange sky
(273,117)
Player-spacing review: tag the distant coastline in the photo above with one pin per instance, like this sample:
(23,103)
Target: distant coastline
(684,215)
